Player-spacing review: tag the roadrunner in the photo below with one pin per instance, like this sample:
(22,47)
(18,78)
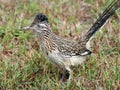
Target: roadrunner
(67,53)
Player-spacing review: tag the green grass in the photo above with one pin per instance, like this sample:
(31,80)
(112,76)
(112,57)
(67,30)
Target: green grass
(22,64)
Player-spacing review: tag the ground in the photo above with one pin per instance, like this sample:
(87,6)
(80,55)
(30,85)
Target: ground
(24,67)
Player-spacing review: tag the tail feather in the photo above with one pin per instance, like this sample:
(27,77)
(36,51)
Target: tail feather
(108,12)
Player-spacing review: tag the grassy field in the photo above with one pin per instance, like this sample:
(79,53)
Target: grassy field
(22,64)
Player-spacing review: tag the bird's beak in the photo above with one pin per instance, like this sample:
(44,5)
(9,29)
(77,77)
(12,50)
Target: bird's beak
(28,28)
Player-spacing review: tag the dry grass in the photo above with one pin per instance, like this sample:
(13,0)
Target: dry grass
(22,65)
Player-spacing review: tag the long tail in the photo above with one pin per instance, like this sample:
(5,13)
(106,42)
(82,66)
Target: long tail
(108,12)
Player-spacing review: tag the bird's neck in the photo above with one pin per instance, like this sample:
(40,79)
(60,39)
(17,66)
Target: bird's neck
(46,31)
(47,38)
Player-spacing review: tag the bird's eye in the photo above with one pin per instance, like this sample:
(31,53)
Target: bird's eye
(38,25)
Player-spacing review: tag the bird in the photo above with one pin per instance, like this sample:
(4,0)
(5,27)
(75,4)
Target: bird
(63,52)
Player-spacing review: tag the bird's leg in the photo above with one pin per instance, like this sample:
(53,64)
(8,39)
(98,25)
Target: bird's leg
(65,75)
(70,73)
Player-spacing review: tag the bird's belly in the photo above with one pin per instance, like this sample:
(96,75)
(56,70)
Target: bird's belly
(77,60)
(65,60)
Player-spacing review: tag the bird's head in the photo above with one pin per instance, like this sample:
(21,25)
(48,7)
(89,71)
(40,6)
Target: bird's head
(39,21)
